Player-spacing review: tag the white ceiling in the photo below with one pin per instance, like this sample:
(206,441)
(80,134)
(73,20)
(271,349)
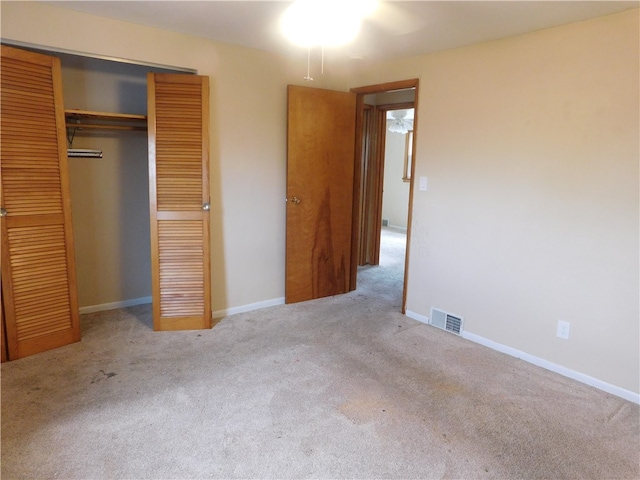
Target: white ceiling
(397,29)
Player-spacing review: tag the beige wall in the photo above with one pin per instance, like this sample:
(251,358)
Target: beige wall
(530,145)
(395,198)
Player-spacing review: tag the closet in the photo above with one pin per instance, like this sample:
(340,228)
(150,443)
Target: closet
(40,299)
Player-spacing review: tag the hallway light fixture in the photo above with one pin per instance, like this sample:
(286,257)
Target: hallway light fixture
(400,123)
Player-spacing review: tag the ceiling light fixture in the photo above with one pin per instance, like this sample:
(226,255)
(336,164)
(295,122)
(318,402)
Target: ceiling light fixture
(324,23)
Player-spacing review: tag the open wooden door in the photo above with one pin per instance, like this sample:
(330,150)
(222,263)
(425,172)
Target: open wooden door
(320,179)
(38,267)
(178,123)
(371,184)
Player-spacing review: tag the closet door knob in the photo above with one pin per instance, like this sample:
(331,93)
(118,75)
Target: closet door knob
(3,212)
(206,207)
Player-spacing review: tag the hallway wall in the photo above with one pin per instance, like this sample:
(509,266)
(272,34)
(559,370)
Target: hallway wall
(395,198)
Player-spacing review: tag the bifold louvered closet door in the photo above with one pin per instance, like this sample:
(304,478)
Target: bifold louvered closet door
(38,270)
(178,123)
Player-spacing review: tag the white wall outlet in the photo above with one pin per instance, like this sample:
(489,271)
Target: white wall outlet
(563,329)
(423,184)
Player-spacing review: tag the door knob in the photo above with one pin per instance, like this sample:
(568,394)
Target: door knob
(294,200)
(206,207)
(3,212)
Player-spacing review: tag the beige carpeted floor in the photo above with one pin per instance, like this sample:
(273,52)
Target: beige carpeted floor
(342,387)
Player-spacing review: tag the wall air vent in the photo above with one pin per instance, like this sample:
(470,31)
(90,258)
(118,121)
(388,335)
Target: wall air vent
(446,321)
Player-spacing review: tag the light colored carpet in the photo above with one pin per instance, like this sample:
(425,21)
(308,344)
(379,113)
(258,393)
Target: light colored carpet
(342,387)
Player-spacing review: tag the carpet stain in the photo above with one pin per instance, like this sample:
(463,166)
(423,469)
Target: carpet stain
(363,410)
(102,375)
(446,388)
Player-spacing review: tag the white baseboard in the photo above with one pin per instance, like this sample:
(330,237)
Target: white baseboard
(112,305)
(541,362)
(218,314)
(417,316)
(248,308)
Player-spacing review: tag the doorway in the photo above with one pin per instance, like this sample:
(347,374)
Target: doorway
(378,107)
(395,190)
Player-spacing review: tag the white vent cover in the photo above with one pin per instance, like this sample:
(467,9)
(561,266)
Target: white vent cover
(446,321)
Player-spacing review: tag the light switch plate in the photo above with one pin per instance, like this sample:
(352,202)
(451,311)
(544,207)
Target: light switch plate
(423,184)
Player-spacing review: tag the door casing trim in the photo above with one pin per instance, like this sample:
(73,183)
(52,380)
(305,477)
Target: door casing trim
(355,237)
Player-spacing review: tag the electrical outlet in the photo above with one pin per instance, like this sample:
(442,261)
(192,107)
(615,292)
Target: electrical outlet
(563,329)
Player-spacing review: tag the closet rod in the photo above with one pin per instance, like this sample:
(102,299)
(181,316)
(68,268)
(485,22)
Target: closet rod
(83,153)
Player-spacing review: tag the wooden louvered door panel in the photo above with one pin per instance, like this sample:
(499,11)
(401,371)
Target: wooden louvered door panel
(38,267)
(178,120)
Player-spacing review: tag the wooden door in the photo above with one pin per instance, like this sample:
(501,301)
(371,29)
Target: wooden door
(371,184)
(178,122)
(38,266)
(320,181)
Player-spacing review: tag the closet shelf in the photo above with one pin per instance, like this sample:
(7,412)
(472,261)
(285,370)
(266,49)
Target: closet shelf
(79,119)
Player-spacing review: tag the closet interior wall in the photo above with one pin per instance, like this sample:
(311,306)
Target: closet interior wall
(109,195)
